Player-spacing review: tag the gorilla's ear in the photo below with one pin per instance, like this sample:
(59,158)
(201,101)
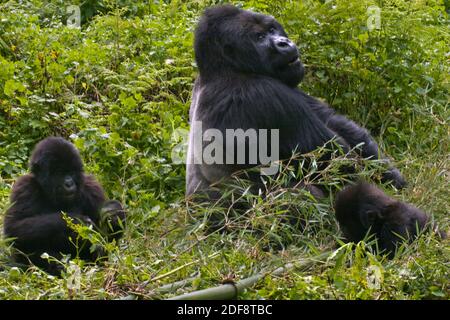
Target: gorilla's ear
(369,217)
(389,211)
(35,166)
(228,51)
(39,165)
(381,213)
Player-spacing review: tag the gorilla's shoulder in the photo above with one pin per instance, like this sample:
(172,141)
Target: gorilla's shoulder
(92,192)
(25,187)
(249,89)
(236,79)
(249,101)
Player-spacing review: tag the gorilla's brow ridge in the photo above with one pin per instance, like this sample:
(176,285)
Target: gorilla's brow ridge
(252,22)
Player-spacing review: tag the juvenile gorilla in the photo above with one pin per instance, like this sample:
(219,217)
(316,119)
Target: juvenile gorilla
(55,185)
(249,72)
(363,209)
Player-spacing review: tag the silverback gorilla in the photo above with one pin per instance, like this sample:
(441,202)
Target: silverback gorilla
(56,185)
(249,72)
(248,76)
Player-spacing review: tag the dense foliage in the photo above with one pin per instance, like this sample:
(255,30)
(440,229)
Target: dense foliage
(119,88)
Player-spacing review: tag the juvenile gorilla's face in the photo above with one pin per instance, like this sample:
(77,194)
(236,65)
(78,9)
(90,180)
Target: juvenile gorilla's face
(58,168)
(61,180)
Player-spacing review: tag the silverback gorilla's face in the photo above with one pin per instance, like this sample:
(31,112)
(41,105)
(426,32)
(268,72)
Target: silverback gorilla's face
(271,46)
(245,41)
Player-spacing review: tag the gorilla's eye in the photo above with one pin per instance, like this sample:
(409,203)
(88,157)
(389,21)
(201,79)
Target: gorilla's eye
(272,30)
(260,36)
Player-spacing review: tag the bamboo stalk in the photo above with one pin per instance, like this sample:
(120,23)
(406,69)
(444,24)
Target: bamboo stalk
(168,288)
(171,287)
(214,255)
(233,290)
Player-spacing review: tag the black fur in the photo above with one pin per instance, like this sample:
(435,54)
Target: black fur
(56,184)
(248,78)
(112,219)
(364,210)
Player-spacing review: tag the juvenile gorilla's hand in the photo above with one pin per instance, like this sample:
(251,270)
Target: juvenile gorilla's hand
(82,219)
(394,176)
(113,217)
(87,250)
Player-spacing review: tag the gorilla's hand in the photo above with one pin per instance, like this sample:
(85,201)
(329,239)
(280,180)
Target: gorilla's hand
(113,217)
(87,250)
(393,176)
(97,252)
(82,219)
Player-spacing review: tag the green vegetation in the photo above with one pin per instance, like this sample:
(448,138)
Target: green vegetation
(120,86)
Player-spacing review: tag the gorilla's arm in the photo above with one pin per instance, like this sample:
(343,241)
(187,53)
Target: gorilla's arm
(113,219)
(92,198)
(264,103)
(354,135)
(347,129)
(39,231)
(32,223)
(109,217)
(254,102)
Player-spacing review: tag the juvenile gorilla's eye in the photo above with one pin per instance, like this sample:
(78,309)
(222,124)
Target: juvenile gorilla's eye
(260,36)
(272,30)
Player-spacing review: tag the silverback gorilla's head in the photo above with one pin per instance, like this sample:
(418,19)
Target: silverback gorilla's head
(57,166)
(229,39)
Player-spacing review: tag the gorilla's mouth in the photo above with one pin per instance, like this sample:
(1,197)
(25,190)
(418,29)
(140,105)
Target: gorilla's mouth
(294,60)
(288,62)
(67,195)
(68,198)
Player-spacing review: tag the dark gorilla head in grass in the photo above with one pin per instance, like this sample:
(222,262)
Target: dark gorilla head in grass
(229,39)
(57,167)
(363,209)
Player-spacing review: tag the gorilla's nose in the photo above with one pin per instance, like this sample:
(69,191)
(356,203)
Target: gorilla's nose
(69,184)
(285,46)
